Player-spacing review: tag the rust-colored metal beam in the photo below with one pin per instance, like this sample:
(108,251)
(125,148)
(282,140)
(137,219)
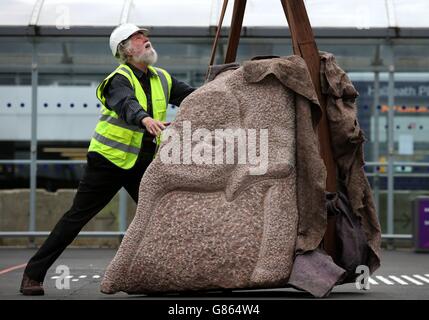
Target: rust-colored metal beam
(234,33)
(304,45)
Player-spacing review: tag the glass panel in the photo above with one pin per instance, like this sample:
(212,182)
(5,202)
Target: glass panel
(186,59)
(368,113)
(411,118)
(259,13)
(76,55)
(412,57)
(361,14)
(170,13)
(351,57)
(15,13)
(66,13)
(403,197)
(15,56)
(411,14)
(249,48)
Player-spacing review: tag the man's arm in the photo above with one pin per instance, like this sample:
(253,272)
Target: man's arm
(120,98)
(179,91)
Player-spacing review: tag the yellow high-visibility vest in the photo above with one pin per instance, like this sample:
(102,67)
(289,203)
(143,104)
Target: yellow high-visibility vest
(113,138)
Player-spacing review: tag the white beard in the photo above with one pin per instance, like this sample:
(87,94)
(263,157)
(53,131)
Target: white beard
(149,57)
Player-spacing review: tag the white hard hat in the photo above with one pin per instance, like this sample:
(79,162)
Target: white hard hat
(123,32)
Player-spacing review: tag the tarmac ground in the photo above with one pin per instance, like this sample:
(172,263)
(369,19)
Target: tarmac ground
(403,275)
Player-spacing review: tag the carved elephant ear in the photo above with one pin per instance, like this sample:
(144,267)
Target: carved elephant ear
(285,70)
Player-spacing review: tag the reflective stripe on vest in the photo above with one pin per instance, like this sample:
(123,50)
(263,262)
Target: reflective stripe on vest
(164,83)
(119,123)
(117,140)
(115,144)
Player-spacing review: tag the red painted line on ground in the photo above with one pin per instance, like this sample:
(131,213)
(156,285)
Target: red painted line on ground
(12,268)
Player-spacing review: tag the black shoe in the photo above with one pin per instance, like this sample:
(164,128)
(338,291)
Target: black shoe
(31,287)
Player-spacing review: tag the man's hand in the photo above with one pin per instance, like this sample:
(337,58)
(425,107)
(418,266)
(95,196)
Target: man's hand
(154,127)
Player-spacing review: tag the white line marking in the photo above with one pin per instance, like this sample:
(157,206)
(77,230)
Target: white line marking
(75,279)
(82,276)
(412,280)
(68,277)
(55,277)
(427,274)
(383,279)
(96,276)
(421,278)
(399,280)
(372,281)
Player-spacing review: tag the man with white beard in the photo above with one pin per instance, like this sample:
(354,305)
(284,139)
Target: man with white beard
(135,98)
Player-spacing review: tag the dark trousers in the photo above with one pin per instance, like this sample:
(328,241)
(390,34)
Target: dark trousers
(101,181)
